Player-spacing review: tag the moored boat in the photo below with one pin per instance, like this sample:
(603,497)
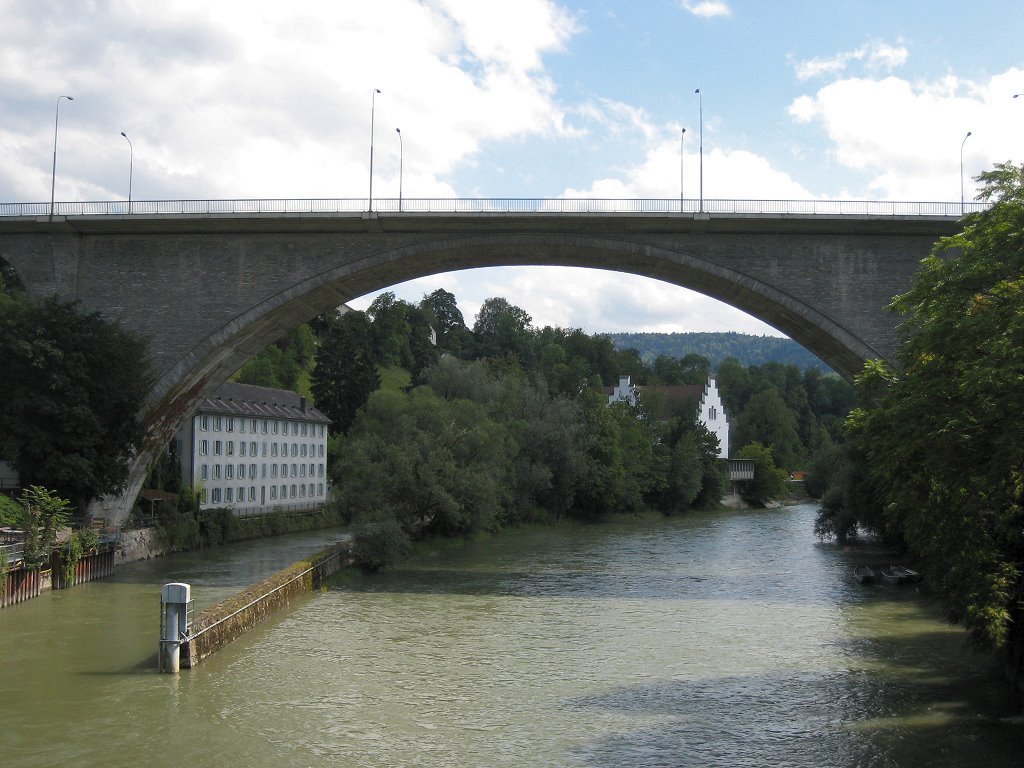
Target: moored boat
(864,574)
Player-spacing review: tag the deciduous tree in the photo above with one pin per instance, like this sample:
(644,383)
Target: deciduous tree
(72,386)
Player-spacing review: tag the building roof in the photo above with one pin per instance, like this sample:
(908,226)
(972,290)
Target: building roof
(248,400)
(672,400)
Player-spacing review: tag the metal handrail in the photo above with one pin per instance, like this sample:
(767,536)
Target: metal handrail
(450,205)
(189,635)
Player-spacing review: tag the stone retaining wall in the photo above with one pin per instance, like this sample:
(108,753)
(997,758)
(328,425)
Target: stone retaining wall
(218,625)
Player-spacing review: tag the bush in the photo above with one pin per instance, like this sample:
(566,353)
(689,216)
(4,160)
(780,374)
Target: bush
(378,544)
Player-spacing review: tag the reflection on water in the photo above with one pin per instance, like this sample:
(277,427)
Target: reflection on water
(717,639)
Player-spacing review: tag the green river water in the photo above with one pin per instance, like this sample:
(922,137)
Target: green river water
(725,639)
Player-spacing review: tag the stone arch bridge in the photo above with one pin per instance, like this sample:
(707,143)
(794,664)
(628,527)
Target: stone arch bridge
(211,290)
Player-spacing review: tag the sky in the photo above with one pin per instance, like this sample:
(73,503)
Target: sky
(803,99)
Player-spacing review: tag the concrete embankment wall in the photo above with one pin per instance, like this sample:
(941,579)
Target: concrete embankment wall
(218,625)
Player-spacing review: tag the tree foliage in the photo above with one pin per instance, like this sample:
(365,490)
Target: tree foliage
(72,386)
(769,480)
(345,374)
(941,434)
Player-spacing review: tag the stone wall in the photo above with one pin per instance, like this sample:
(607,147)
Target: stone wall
(218,625)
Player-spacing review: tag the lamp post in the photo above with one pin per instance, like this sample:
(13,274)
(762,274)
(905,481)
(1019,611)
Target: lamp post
(700,97)
(131,168)
(53,175)
(962,172)
(401,160)
(373,107)
(682,139)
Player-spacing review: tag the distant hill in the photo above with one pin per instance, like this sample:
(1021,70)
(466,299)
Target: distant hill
(716,347)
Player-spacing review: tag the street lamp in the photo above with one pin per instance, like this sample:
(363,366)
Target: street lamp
(962,172)
(373,107)
(131,168)
(401,160)
(700,96)
(53,175)
(682,138)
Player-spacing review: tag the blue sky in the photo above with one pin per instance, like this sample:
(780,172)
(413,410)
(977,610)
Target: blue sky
(525,98)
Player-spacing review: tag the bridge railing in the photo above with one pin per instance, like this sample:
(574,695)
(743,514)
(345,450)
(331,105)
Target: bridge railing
(558,205)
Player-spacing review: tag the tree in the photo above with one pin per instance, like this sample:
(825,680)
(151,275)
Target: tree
(942,432)
(345,374)
(72,386)
(769,421)
(502,328)
(452,333)
(769,481)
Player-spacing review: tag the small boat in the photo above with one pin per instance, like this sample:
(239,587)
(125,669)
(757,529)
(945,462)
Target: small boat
(864,574)
(899,574)
(890,575)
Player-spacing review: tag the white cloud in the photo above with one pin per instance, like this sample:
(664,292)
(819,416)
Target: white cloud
(707,8)
(595,300)
(254,99)
(907,136)
(876,56)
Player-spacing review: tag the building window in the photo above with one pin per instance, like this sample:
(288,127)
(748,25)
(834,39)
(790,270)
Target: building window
(320,489)
(320,470)
(273,492)
(303,451)
(218,447)
(252,426)
(241,494)
(295,470)
(284,491)
(273,470)
(252,448)
(215,496)
(230,423)
(252,471)
(204,447)
(241,426)
(241,448)
(263,471)
(204,472)
(305,429)
(276,425)
(263,426)
(216,423)
(273,450)
(320,450)
(229,471)
(252,493)
(264,451)
(216,471)
(229,495)
(295,428)
(230,444)
(294,491)
(204,423)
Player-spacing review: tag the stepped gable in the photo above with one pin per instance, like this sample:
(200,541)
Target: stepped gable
(249,400)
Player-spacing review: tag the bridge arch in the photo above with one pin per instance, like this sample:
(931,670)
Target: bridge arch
(210,291)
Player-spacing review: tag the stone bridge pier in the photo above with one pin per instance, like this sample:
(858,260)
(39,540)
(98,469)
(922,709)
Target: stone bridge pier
(210,291)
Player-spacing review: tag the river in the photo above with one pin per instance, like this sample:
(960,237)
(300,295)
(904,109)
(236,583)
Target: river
(718,639)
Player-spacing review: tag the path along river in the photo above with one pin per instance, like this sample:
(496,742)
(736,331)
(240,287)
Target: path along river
(727,639)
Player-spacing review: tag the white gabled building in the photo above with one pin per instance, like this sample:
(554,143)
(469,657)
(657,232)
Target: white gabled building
(673,400)
(255,449)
